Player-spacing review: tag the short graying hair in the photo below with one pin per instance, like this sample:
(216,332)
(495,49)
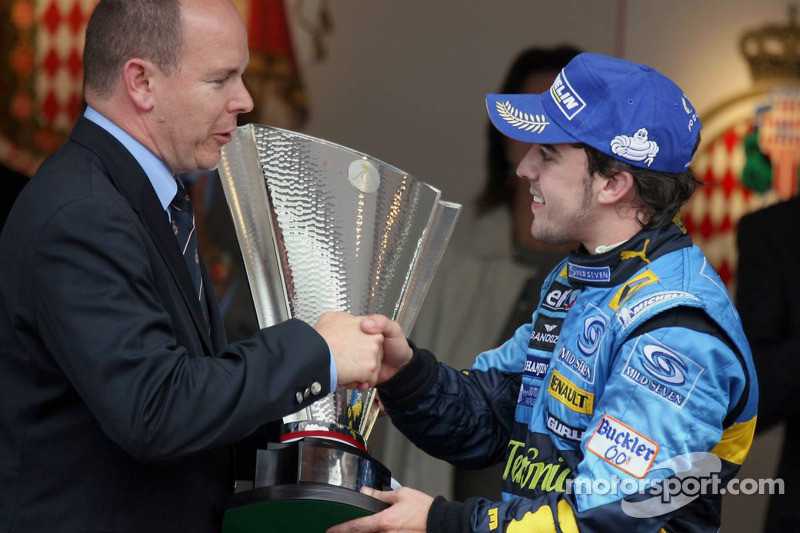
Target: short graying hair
(120,30)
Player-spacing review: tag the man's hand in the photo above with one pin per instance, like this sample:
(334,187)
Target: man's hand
(396,351)
(408,513)
(357,353)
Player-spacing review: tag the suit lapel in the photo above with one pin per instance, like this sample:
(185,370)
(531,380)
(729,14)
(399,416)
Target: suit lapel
(133,184)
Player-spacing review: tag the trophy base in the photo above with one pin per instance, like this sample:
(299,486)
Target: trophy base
(307,485)
(306,507)
(317,460)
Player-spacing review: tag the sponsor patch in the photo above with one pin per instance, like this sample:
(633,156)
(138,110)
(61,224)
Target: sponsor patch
(623,447)
(589,274)
(662,371)
(566,99)
(528,394)
(560,297)
(569,394)
(576,364)
(583,364)
(536,367)
(636,148)
(564,430)
(594,329)
(631,287)
(626,315)
(545,333)
(633,254)
(534,467)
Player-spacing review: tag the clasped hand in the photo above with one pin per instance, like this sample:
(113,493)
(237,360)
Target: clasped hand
(367,350)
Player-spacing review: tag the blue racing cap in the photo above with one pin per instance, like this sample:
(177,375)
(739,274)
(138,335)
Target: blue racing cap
(628,111)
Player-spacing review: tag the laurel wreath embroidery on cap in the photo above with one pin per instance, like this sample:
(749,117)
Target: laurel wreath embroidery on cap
(521,120)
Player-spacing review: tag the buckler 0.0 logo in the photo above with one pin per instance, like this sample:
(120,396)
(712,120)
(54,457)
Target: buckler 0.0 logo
(623,447)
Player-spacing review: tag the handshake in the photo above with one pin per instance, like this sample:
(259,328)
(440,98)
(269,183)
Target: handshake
(367,350)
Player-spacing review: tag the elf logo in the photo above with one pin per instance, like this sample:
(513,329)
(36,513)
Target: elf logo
(560,297)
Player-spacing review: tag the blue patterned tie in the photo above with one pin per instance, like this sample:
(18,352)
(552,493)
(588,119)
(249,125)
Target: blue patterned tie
(183,226)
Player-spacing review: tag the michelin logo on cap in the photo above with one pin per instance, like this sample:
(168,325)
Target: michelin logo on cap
(565,97)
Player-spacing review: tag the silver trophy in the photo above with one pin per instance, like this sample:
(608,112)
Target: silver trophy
(326,228)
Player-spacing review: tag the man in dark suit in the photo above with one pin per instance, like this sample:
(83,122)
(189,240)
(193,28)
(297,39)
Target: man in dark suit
(11,183)
(119,399)
(768,299)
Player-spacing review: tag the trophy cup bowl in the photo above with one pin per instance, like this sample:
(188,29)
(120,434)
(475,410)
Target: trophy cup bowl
(324,228)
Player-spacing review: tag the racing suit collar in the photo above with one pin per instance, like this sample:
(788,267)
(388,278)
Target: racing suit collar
(620,264)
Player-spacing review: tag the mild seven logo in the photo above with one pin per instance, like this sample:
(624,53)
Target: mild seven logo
(662,371)
(588,274)
(593,329)
(664,365)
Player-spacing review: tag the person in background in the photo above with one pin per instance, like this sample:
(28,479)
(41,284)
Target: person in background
(768,299)
(486,286)
(11,184)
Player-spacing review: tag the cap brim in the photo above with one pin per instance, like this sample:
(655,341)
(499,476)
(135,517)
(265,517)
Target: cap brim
(522,117)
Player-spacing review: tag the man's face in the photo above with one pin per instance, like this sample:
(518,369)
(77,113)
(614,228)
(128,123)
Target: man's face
(563,203)
(195,108)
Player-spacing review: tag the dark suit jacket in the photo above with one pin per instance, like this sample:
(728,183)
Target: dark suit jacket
(768,298)
(11,183)
(118,407)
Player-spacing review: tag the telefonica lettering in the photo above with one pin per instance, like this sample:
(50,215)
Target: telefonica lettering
(529,474)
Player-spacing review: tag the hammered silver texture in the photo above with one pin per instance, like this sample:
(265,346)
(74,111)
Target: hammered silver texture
(346,231)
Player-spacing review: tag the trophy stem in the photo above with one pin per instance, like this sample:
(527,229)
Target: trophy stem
(371,418)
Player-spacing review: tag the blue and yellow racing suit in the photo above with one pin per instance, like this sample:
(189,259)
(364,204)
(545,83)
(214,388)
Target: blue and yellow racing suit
(634,369)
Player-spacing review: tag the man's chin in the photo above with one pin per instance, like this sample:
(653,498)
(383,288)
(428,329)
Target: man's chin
(211,162)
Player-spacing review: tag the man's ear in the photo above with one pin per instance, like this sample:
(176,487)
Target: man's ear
(137,77)
(619,186)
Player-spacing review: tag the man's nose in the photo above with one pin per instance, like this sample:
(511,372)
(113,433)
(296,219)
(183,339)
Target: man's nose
(241,102)
(527,168)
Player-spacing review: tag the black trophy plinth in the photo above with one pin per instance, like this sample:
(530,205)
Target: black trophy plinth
(307,486)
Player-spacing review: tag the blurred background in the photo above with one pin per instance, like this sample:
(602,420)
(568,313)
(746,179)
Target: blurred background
(405,82)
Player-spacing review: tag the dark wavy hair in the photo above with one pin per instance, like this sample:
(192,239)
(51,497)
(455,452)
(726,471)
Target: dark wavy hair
(497,189)
(660,194)
(120,30)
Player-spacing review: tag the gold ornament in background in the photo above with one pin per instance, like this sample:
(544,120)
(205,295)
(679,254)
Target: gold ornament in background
(772,53)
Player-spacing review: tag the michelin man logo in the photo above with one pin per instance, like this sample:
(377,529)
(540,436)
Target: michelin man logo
(636,148)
